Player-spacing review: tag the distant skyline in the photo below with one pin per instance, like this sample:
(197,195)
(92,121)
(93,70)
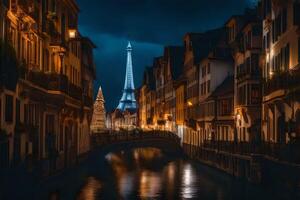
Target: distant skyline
(149,25)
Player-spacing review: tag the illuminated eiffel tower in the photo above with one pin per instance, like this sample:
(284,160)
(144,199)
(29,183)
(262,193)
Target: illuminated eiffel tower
(128,102)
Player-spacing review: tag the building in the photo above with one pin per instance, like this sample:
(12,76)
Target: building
(281,64)
(222,112)
(147,100)
(44,117)
(173,69)
(123,121)
(98,124)
(197,47)
(247,98)
(159,118)
(3,10)
(180,107)
(214,74)
(167,70)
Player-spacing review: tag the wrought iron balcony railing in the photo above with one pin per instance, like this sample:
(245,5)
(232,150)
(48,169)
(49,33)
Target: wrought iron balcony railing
(284,80)
(53,81)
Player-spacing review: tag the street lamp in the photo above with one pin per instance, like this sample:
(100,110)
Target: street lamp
(61,54)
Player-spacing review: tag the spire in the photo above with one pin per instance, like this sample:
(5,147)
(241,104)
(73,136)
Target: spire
(100,96)
(129,84)
(129,47)
(128,99)
(98,119)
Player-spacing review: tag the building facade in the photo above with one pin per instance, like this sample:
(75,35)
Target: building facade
(280,63)
(45,117)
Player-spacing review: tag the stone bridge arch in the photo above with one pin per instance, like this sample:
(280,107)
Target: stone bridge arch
(165,141)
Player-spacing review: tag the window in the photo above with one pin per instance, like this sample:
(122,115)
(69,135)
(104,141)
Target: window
(225,107)
(208,86)
(254,63)
(203,71)
(255,94)
(208,68)
(17,111)
(248,65)
(287,56)
(8,108)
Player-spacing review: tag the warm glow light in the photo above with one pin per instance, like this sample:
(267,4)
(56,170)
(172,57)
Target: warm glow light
(190,103)
(72,33)
(188,190)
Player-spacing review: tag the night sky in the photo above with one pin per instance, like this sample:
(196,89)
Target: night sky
(149,25)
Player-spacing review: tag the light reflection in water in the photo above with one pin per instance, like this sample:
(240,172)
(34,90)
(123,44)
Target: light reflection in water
(150,185)
(188,190)
(90,190)
(149,174)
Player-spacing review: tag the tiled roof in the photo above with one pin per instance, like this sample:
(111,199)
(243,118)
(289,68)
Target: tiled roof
(203,43)
(176,56)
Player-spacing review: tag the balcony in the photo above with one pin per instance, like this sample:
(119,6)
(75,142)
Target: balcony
(56,38)
(30,8)
(75,91)
(48,81)
(289,81)
(245,75)
(53,82)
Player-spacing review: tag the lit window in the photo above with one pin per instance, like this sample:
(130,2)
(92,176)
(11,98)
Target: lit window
(72,33)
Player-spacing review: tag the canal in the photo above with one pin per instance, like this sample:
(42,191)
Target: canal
(142,173)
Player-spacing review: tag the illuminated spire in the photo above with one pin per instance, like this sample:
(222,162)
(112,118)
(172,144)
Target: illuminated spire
(128,101)
(98,119)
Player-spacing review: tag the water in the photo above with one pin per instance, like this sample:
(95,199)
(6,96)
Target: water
(145,173)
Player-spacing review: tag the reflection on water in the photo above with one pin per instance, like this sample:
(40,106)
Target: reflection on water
(90,190)
(144,173)
(188,190)
(149,174)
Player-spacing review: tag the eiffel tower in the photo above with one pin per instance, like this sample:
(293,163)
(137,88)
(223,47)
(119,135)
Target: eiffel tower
(128,102)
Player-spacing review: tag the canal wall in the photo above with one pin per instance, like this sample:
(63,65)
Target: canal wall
(255,168)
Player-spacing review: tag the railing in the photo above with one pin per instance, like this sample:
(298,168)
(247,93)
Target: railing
(30,8)
(248,75)
(75,91)
(283,152)
(55,82)
(231,147)
(286,80)
(102,139)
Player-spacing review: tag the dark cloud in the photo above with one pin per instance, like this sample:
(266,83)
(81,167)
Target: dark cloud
(151,24)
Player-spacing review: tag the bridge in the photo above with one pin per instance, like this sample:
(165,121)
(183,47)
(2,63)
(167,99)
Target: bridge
(166,141)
